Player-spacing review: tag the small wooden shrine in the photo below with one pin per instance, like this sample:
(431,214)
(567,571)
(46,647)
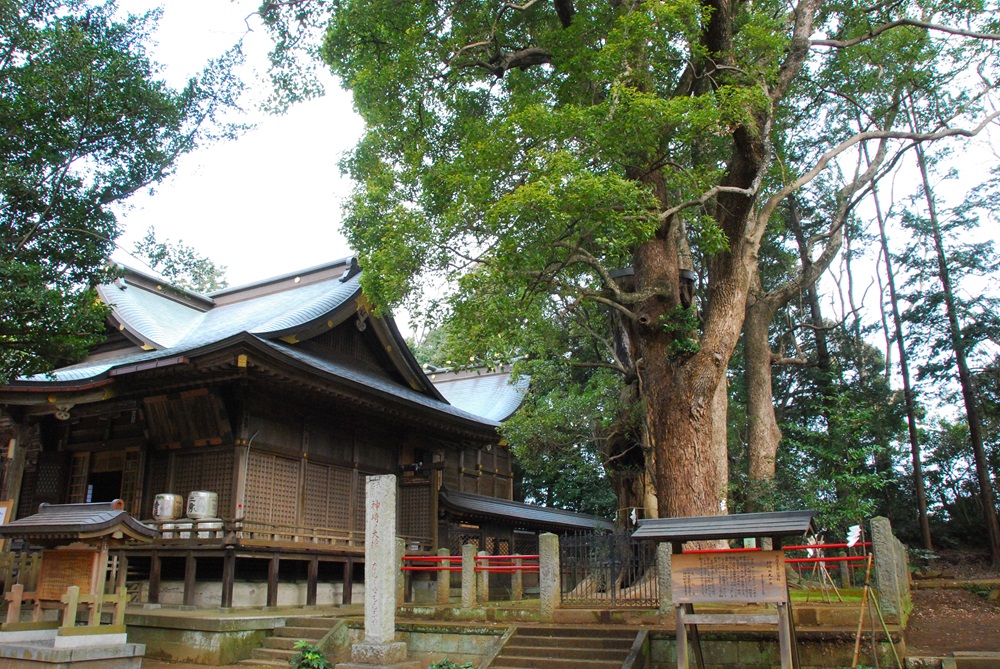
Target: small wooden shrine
(72,581)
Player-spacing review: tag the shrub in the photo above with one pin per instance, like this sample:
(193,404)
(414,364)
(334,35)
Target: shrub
(308,657)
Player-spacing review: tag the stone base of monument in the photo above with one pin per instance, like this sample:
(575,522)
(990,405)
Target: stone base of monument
(380,656)
(43,654)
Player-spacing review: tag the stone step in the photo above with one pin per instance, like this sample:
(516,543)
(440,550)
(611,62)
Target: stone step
(566,653)
(262,664)
(274,655)
(570,642)
(550,663)
(326,622)
(279,643)
(585,632)
(296,632)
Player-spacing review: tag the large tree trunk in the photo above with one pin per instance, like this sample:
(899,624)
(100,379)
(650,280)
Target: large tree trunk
(969,394)
(763,433)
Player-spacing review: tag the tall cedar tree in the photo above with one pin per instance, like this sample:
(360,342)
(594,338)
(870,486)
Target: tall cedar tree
(546,155)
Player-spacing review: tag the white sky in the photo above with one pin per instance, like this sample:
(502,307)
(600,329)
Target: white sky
(269,202)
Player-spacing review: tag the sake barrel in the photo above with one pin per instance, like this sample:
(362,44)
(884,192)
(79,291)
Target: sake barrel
(203,504)
(167,506)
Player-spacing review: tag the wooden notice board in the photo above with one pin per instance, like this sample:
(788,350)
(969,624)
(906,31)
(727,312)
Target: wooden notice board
(62,568)
(728,577)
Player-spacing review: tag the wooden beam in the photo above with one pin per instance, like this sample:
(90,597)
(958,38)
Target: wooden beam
(347,595)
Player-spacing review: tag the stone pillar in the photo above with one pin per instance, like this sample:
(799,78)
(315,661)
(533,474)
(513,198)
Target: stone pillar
(483,581)
(380,648)
(444,578)
(549,577)
(517,582)
(663,553)
(468,576)
(891,570)
(400,574)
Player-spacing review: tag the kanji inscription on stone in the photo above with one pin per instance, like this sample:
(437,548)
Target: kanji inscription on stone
(757,576)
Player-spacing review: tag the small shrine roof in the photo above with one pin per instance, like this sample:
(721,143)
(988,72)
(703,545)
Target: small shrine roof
(773,524)
(520,515)
(79,522)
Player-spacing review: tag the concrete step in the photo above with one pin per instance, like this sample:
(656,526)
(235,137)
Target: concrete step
(262,664)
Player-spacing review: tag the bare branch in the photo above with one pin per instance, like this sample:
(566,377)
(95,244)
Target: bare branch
(824,160)
(926,25)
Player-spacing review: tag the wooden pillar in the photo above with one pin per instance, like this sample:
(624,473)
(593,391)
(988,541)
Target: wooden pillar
(312,576)
(348,595)
(228,578)
(190,576)
(432,522)
(272,581)
(154,578)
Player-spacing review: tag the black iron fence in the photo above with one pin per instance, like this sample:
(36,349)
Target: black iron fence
(601,569)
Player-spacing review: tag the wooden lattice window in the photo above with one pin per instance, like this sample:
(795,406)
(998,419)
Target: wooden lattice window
(132,481)
(328,496)
(358,513)
(272,489)
(78,471)
(415,509)
(211,471)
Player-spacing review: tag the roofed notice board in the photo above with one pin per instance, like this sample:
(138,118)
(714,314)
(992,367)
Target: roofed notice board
(757,576)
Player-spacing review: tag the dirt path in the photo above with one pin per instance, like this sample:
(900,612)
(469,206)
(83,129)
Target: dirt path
(948,620)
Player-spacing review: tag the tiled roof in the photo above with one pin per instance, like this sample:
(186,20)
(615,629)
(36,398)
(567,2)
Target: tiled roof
(491,394)
(366,377)
(737,526)
(55,521)
(520,515)
(182,325)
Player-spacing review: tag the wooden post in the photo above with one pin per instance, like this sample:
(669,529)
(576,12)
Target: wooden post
(228,578)
(682,637)
(72,600)
(14,608)
(99,581)
(312,576)
(154,578)
(272,581)
(347,596)
(120,604)
(784,636)
(190,575)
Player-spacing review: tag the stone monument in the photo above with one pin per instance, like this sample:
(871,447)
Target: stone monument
(380,650)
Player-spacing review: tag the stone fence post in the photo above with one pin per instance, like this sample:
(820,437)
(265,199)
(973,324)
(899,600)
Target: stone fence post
(444,577)
(549,576)
(892,571)
(468,576)
(663,552)
(483,581)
